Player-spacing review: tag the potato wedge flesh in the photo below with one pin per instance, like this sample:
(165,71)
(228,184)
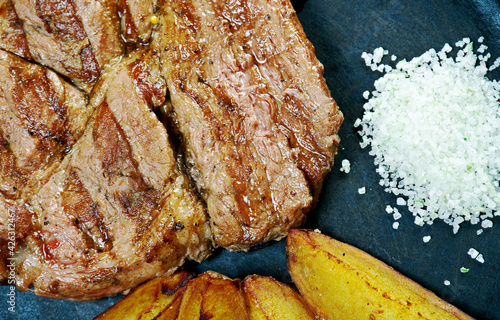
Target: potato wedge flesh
(339,281)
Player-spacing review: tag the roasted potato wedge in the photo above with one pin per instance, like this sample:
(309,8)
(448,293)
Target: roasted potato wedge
(213,296)
(267,298)
(155,297)
(339,281)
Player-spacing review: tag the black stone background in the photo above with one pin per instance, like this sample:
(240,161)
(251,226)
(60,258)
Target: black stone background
(341,30)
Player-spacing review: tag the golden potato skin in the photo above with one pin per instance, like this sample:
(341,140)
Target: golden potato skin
(269,299)
(149,299)
(339,281)
(208,296)
(213,296)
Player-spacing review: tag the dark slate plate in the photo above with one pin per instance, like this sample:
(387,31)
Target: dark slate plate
(341,30)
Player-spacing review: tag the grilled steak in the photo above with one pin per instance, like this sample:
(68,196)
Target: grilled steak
(77,38)
(136,21)
(57,37)
(41,118)
(104,195)
(117,211)
(258,124)
(12,37)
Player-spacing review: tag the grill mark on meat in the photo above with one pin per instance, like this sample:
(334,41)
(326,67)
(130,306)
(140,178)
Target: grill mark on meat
(234,12)
(152,93)
(61,20)
(129,29)
(116,157)
(33,90)
(91,67)
(12,37)
(257,120)
(41,119)
(185,10)
(102,27)
(22,223)
(135,203)
(142,85)
(112,147)
(104,275)
(220,118)
(136,23)
(78,204)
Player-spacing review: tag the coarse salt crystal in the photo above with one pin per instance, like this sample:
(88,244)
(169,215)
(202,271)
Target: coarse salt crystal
(411,123)
(480,258)
(346,166)
(473,253)
(378,54)
(397,215)
(362,190)
(400,201)
(486,224)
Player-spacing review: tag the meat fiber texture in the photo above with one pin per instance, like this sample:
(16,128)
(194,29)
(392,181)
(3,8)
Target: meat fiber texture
(258,124)
(76,38)
(115,211)
(127,147)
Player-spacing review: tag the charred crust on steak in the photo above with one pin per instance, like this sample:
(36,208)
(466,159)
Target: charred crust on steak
(78,204)
(34,89)
(249,56)
(60,18)
(108,196)
(12,36)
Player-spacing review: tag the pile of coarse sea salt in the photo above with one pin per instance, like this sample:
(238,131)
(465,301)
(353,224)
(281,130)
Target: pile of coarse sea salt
(433,124)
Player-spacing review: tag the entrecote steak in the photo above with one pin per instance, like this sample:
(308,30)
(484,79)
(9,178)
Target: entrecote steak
(124,153)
